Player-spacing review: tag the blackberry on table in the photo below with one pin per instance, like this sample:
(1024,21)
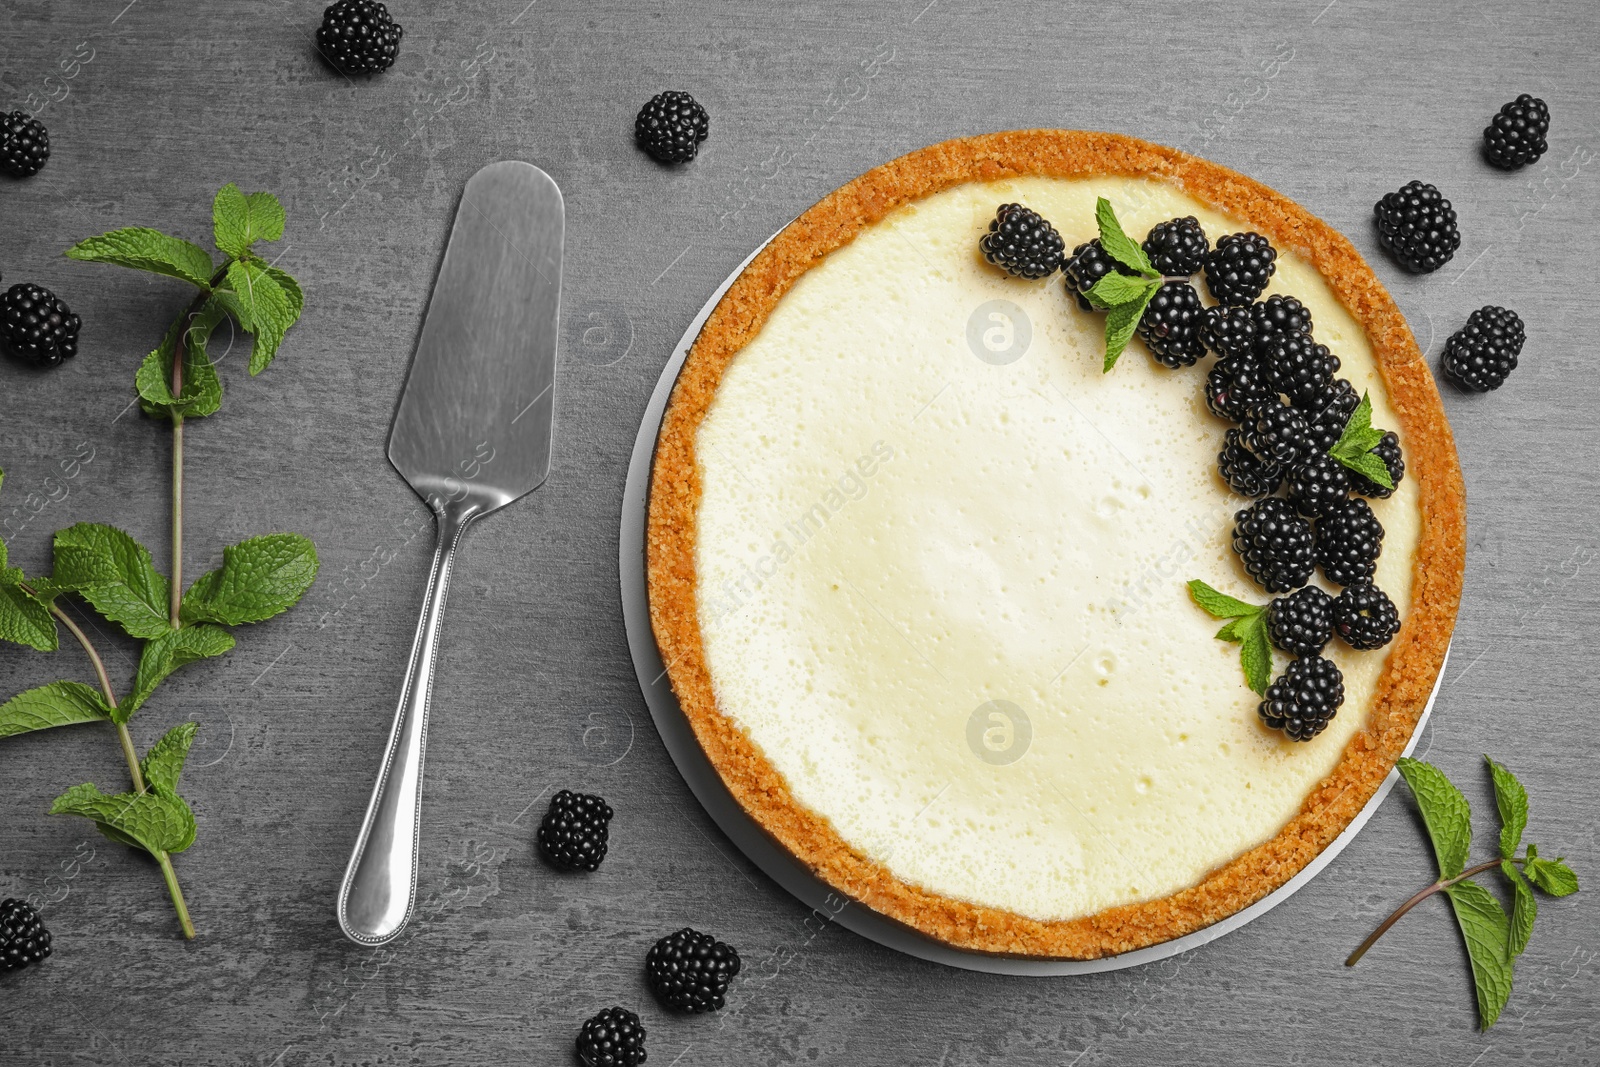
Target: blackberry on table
(1275,545)
(575,831)
(1238,269)
(1177,246)
(36,326)
(1297,366)
(690,971)
(1417,226)
(1022,243)
(1302,622)
(1228,331)
(1304,699)
(613,1038)
(24,144)
(1349,541)
(1275,432)
(1170,326)
(1278,315)
(1515,137)
(1317,484)
(1328,412)
(1088,264)
(1244,473)
(1235,385)
(1388,450)
(1481,354)
(1364,617)
(359,37)
(23,938)
(671,126)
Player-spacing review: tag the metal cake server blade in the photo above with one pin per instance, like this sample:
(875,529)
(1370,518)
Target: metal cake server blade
(471,435)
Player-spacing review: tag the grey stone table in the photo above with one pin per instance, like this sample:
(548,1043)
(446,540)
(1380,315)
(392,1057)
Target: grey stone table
(154,104)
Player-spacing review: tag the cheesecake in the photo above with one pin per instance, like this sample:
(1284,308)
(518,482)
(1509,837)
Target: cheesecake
(917,564)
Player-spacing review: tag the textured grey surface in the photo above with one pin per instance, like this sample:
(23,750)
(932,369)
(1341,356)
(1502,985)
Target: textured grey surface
(1332,103)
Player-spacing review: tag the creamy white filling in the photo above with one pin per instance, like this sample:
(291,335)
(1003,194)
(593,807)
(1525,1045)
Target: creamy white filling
(942,560)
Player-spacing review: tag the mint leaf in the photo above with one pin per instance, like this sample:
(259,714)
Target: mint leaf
(1255,654)
(1121,322)
(258,579)
(1487,932)
(1524,909)
(24,620)
(1117,288)
(1118,245)
(1220,605)
(1512,801)
(1367,464)
(153,821)
(165,654)
(114,573)
(1445,812)
(1360,421)
(163,764)
(146,249)
(1552,876)
(239,220)
(268,338)
(56,704)
(262,302)
(201,394)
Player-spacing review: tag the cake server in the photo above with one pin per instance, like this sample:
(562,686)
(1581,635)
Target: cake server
(471,435)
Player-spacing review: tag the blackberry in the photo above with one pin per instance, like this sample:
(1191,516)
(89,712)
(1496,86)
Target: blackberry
(1302,622)
(36,326)
(1297,366)
(1388,450)
(1275,432)
(614,1038)
(358,37)
(1022,243)
(690,971)
(1304,699)
(1349,541)
(23,938)
(1277,315)
(24,144)
(1177,246)
(1417,227)
(1328,412)
(1088,264)
(1481,354)
(1170,325)
(1238,269)
(1244,473)
(1515,136)
(1318,484)
(575,832)
(1235,385)
(1228,331)
(671,126)
(1275,544)
(1364,617)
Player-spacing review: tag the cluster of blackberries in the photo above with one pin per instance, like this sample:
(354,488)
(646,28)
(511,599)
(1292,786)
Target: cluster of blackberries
(24,144)
(359,37)
(23,938)
(575,831)
(688,971)
(36,326)
(671,126)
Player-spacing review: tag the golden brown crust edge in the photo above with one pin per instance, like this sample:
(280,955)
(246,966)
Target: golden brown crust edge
(1414,660)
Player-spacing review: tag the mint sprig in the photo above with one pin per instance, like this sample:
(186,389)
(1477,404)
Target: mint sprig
(1124,297)
(1247,625)
(1355,445)
(115,575)
(1494,939)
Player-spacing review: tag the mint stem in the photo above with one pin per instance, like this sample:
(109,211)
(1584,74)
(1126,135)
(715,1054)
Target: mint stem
(1418,898)
(131,755)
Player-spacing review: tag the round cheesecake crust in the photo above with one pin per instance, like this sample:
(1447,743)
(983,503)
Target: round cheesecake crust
(1415,657)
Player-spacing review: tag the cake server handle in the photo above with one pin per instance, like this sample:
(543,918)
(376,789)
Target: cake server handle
(380,883)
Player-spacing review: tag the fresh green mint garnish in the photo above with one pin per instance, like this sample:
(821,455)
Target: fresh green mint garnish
(1355,445)
(116,576)
(1247,625)
(1494,939)
(1121,296)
